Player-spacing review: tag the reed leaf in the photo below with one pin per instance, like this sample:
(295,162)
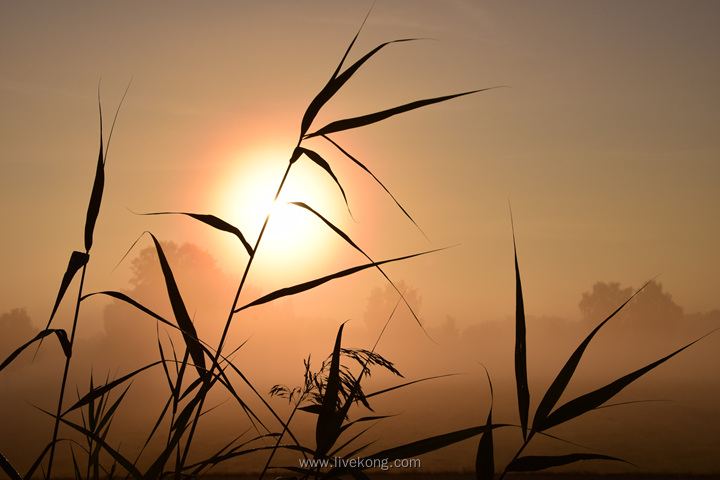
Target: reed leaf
(485,458)
(431,444)
(349,241)
(521,376)
(556,389)
(97,190)
(99,392)
(361,121)
(390,389)
(583,404)
(533,463)
(8,468)
(329,421)
(127,299)
(76,262)
(302,287)
(62,338)
(322,163)
(336,82)
(119,458)
(367,170)
(181,314)
(214,222)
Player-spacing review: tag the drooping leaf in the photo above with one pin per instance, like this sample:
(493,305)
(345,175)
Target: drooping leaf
(533,463)
(485,458)
(302,287)
(76,262)
(214,222)
(521,377)
(62,338)
(322,163)
(556,389)
(349,241)
(390,389)
(181,314)
(356,122)
(361,165)
(126,299)
(580,405)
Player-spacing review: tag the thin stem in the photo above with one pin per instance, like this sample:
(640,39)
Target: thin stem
(226,329)
(65,375)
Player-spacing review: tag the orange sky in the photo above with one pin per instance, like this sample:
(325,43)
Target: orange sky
(605,141)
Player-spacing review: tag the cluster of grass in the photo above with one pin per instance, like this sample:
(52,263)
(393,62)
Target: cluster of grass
(192,368)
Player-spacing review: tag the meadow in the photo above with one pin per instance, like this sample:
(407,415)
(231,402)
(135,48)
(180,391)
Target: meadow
(203,380)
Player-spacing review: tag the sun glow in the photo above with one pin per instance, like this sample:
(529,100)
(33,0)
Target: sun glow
(295,242)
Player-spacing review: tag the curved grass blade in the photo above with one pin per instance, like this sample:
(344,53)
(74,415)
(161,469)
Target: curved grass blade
(596,398)
(302,287)
(315,157)
(181,314)
(521,377)
(214,222)
(556,389)
(356,122)
(126,299)
(360,164)
(97,189)
(124,462)
(98,392)
(76,262)
(99,182)
(337,81)
(62,338)
(431,444)
(329,421)
(533,463)
(485,458)
(8,468)
(385,390)
(347,239)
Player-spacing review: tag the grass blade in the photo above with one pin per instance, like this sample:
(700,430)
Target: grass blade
(356,122)
(485,458)
(124,462)
(360,164)
(521,378)
(385,390)
(533,463)
(76,262)
(214,222)
(62,338)
(329,421)
(349,241)
(98,392)
(315,157)
(8,468)
(596,398)
(181,314)
(556,389)
(126,299)
(97,189)
(302,287)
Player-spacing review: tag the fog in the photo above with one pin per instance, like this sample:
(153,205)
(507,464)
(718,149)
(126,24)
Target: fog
(673,429)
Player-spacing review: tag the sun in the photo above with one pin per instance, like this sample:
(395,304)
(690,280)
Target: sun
(295,244)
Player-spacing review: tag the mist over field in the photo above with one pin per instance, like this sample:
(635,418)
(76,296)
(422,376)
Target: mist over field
(672,432)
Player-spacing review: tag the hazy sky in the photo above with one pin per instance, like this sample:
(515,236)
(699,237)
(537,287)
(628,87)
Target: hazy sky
(604,139)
